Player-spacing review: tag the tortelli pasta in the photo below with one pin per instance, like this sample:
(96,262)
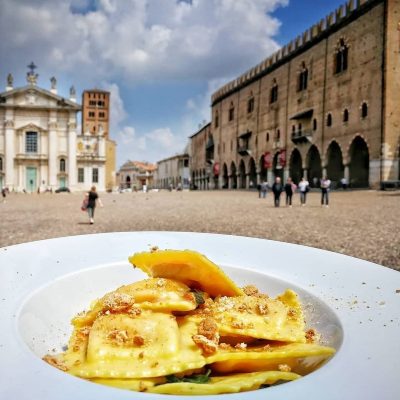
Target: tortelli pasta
(190,330)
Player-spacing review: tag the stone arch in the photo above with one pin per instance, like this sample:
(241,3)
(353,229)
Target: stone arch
(252,173)
(314,166)
(128,181)
(334,166)
(233,175)
(359,163)
(242,175)
(295,166)
(225,177)
(276,167)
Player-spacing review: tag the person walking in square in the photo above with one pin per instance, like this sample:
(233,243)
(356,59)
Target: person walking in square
(277,189)
(290,187)
(263,189)
(325,186)
(304,188)
(92,199)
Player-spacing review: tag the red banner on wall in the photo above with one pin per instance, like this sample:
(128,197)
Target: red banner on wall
(282,158)
(267,160)
(216,169)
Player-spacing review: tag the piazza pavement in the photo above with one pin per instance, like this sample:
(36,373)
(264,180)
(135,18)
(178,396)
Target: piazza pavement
(363,224)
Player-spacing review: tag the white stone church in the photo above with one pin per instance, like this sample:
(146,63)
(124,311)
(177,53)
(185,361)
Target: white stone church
(41,146)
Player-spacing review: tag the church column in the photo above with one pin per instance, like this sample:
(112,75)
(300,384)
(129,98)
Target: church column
(102,178)
(52,151)
(9,151)
(72,152)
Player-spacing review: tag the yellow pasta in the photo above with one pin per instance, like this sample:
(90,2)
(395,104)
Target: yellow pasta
(302,358)
(149,345)
(225,384)
(189,329)
(259,317)
(156,294)
(189,267)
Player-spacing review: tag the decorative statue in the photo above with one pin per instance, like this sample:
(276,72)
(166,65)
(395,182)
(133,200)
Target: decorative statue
(72,91)
(10,80)
(31,77)
(53,81)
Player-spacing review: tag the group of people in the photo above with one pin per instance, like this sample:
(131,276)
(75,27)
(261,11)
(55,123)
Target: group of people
(290,188)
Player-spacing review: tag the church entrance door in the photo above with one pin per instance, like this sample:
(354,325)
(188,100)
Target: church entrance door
(62,182)
(31,179)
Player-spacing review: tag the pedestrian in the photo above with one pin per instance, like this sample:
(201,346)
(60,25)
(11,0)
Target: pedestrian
(325,186)
(263,189)
(304,188)
(4,194)
(92,199)
(343,181)
(277,189)
(290,187)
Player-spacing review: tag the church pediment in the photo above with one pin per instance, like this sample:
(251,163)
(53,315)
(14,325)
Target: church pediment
(30,127)
(33,96)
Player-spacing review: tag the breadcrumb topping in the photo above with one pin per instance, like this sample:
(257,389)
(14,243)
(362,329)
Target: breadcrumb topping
(55,362)
(117,302)
(207,346)
(312,336)
(284,368)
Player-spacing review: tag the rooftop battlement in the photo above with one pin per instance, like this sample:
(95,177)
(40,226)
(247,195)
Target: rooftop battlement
(343,14)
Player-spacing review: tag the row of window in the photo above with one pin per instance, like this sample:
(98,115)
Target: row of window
(94,103)
(329,121)
(92,114)
(97,96)
(340,65)
(81,172)
(81,175)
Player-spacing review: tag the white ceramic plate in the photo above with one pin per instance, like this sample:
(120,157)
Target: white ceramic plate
(354,303)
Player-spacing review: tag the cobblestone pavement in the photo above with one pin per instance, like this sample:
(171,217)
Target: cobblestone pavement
(363,224)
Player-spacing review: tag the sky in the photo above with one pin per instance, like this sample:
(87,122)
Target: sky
(160,59)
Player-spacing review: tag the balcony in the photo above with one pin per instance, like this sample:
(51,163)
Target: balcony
(244,150)
(302,137)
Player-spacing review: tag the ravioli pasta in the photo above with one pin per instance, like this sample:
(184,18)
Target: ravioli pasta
(189,329)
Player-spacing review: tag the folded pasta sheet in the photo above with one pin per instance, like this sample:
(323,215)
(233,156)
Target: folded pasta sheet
(148,345)
(298,357)
(225,384)
(258,316)
(189,267)
(189,329)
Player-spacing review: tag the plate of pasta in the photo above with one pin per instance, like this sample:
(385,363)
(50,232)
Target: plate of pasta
(147,315)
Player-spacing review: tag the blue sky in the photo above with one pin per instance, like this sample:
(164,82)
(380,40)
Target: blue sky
(161,59)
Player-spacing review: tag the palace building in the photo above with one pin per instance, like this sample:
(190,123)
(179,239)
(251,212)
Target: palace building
(326,103)
(40,147)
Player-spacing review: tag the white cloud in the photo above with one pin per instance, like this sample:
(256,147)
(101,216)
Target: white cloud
(127,135)
(138,39)
(117,108)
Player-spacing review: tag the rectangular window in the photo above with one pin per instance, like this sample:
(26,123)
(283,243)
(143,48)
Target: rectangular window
(92,103)
(102,115)
(81,175)
(95,175)
(231,114)
(31,143)
(91,114)
(274,94)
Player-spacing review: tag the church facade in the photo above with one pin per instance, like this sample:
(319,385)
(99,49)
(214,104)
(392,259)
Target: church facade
(325,104)
(41,147)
